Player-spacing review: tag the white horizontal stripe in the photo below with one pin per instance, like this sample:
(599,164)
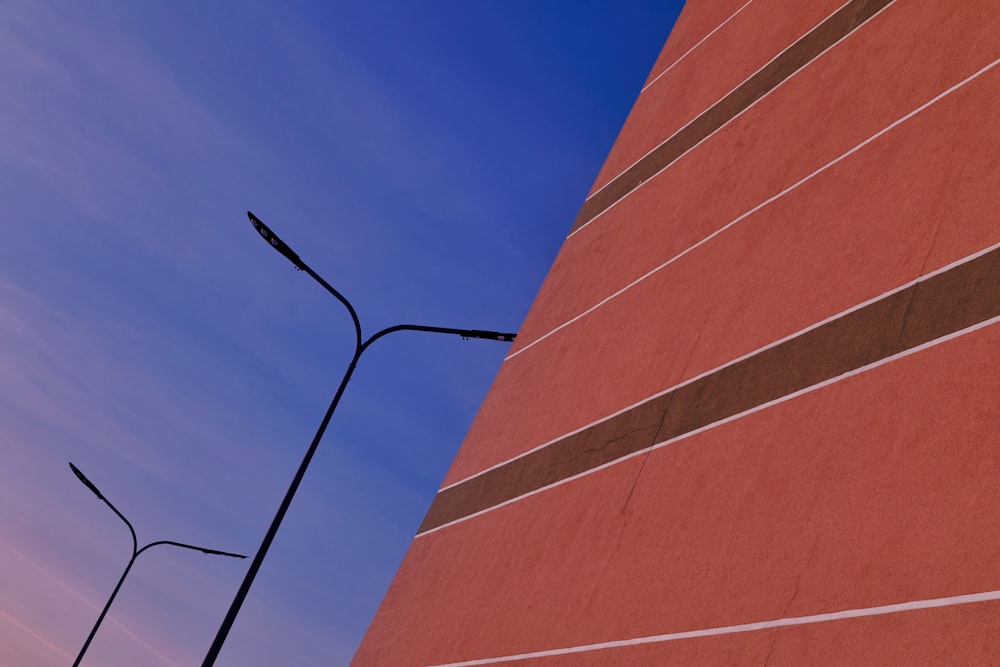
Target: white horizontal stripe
(700,42)
(737,360)
(650,151)
(670,67)
(758,207)
(914,605)
(731,418)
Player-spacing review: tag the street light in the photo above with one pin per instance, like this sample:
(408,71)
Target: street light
(360,345)
(135,554)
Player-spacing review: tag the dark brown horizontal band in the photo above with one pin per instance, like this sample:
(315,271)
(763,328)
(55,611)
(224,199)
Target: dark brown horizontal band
(794,58)
(962,296)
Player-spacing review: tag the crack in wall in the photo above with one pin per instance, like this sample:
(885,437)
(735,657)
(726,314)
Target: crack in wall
(635,481)
(607,443)
(913,290)
(663,421)
(795,593)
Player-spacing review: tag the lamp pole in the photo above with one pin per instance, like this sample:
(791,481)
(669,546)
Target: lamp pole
(360,345)
(135,554)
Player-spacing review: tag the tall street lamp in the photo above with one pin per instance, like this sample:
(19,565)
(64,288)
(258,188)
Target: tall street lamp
(360,345)
(135,554)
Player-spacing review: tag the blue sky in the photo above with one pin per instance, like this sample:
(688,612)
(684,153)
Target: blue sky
(426,158)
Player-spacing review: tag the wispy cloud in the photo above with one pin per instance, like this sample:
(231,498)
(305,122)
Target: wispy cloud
(149,336)
(45,573)
(35,635)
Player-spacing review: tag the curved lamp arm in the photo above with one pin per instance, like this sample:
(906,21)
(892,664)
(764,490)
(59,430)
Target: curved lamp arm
(212,552)
(283,248)
(97,492)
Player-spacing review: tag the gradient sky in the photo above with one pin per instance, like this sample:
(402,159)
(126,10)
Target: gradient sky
(426,158)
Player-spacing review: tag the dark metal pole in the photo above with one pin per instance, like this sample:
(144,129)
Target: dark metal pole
(135,554)
(93,631)
(360,346)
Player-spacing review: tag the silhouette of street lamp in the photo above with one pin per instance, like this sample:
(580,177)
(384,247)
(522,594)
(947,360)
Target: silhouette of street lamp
(135,554)
(360,345)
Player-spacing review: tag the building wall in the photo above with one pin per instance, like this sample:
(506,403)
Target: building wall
(753,413)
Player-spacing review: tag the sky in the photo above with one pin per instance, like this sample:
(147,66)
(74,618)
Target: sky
(426,158)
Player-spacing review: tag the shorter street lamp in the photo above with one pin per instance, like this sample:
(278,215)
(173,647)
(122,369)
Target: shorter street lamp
(135,554)
(360,345)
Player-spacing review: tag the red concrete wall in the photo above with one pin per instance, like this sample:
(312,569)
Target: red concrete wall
(688,84)
(841,246)
(860,188)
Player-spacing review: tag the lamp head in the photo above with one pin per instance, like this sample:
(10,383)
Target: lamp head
(490,335)
(213,552)
(86,482)
(275,242)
